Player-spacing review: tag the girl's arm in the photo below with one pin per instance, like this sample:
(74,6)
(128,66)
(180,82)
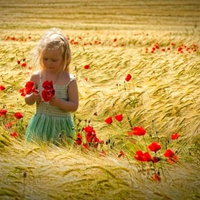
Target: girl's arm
(72,104)
(30,99)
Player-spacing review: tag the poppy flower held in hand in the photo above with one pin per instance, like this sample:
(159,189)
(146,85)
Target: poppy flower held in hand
(47,85)
(48,91)
(47,94)
(28,89)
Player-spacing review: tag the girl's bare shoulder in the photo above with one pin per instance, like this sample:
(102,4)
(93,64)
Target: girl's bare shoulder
(64,79)
(35,77)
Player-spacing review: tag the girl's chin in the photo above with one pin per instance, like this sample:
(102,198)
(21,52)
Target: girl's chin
(51,69)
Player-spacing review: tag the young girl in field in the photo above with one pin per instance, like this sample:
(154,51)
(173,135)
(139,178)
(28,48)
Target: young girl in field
(56,91)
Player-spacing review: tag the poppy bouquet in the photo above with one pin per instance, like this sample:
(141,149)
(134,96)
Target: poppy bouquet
(48,90)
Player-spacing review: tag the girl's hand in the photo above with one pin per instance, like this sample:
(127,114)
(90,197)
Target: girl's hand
(53,101)
(36,96)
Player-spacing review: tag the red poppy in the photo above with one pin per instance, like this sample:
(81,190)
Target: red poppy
(18,115)
(47,94)
(79,139)
(119,117)
(88,129)
(155,159)
(102,153)
(47,85)
(154,146)
(175,136)
(108,120)
(121,154)
(8,125)
(23,64)
(22,92)
(128,77)
(143,157)
(156,46)
(156,177)
(85,145)
(48,91)
(170,155)
(137,130)
(29,87)
(86,67)
(14,134)
(95,141)
(90,133)
(90,136)
(3,112)
(2,88)
(101,141)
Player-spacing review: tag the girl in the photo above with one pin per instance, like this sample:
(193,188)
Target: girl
(52,121)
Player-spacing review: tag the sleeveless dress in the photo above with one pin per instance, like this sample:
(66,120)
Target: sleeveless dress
(49,123)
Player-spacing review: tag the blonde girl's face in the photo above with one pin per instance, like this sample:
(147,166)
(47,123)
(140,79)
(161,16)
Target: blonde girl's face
(52,60)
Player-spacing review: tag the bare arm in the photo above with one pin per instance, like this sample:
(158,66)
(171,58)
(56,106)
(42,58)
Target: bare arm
(73,102)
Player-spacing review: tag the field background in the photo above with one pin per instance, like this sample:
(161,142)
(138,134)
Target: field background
(112,37)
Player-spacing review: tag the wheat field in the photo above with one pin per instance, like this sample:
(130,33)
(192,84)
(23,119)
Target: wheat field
(158,43)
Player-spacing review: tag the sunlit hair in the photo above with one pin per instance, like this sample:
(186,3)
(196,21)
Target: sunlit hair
(51,40)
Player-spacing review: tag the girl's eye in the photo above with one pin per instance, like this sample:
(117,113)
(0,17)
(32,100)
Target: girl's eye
(54,60)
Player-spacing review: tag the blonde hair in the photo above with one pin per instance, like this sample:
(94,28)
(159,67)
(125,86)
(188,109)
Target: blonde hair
(52,39)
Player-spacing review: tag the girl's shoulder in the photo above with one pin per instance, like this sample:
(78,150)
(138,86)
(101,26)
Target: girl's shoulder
(37,73)
(67,77)
(72,77)
(35,77)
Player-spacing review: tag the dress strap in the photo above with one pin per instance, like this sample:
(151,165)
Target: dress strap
(72,78)
(40,76)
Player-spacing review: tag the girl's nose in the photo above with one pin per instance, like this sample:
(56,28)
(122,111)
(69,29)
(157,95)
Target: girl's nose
(49,63)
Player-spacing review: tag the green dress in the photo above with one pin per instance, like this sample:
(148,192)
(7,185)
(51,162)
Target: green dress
(49,123)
